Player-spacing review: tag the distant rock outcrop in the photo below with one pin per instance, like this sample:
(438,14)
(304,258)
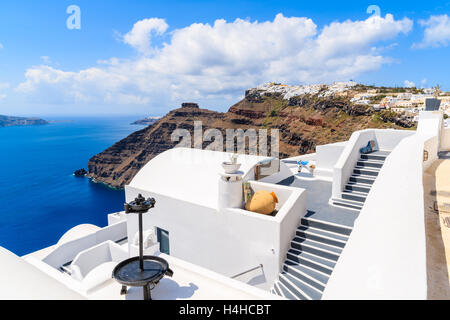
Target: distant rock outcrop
(306,117)
(189,105)
(80,173)
(147,121)
(8,121)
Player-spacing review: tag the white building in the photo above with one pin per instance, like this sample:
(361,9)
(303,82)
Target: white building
(347,226)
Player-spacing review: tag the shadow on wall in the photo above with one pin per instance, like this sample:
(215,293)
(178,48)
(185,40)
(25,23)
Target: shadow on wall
(258,280)
(167,289)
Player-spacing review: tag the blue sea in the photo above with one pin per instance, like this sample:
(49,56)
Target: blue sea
(40,199)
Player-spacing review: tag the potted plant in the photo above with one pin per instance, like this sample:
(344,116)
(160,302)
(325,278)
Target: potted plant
(231,166)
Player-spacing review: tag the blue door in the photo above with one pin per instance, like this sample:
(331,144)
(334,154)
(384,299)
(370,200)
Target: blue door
(163,239)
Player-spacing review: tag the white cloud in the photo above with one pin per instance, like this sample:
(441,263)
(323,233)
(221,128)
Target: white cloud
(140,36)
(46,59)
(423,82)
(219,61)
(3,86)
(409,84)
(436,33)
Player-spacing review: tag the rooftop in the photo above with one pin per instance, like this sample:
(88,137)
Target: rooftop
(195,172)
(189,282)
(318,192)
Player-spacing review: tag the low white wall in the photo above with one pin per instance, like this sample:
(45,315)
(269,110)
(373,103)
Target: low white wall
(284,173)
(386,140)
(385,257)
(221,280)
(445,140)
(347,161)
(66,252)
(20,280)
(91,258)
(327,157)
(292,208)
(229,241)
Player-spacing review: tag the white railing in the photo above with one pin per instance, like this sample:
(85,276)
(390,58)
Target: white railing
(67,252)
(347,161)
(386,139)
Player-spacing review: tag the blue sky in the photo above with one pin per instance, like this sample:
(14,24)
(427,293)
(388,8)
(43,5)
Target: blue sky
(112,66)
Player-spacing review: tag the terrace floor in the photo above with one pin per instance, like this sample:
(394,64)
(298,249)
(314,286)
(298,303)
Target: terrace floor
(437,226)
(318,192)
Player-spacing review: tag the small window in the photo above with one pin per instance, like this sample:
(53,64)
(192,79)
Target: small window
(163,239)
(266,168)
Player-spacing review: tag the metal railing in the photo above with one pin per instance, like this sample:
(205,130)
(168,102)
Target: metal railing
(248,271)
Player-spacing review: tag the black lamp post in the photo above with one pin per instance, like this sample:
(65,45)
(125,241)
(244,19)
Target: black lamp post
(142,271)
(140,206)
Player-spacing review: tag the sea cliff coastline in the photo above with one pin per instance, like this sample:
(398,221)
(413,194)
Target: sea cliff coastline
(305,116)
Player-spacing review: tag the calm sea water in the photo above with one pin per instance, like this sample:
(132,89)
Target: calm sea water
(40,199)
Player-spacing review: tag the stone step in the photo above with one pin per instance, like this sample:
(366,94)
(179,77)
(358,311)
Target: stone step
(362,179)
(354,196)
(313,249)
(300,260)
(353,205)
(318,245)
(365,172)
(286,292)
(277,290)
(314,275)
(300,256)
(323,233)
(322,225)
(364,188)
(369,164)
(301,287)
(377,155)
(320,238)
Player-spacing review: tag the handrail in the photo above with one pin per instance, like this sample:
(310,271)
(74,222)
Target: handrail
(252,269)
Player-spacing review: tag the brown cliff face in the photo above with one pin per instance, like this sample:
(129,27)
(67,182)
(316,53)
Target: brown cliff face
(304,123)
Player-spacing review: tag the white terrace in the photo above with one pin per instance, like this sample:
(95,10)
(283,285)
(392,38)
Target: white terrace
(351,228)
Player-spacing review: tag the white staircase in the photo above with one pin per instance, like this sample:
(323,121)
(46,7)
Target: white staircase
(361,181)
(310,261)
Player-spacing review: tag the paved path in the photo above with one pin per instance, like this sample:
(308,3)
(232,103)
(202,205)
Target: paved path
(437,195)
(318,193)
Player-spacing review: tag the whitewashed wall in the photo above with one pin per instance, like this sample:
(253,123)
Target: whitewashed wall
(445,140)
(67,251)
(347,161)
(327,157)
(230,241)
(385,257)
(386,139)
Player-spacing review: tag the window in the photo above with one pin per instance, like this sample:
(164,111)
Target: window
(163,239)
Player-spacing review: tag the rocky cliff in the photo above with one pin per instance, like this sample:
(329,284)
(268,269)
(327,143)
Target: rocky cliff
(305,120)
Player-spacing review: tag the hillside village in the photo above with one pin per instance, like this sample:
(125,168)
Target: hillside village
(305,116)
(405,101)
